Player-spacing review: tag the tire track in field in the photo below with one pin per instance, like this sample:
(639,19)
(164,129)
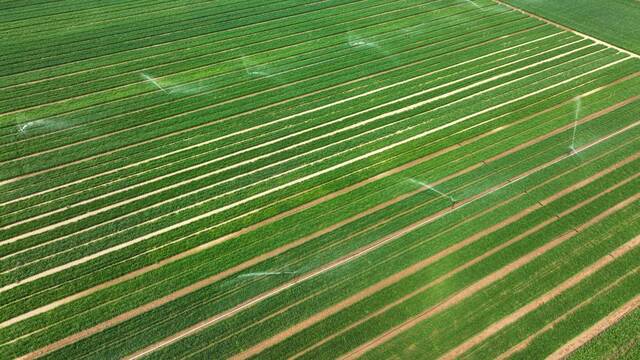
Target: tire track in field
(338,193)
(537,303)
(149,268)
(106,251)
(484,282)
(249,161)
(596,329)
(256,349)
(386,221)
(305,130)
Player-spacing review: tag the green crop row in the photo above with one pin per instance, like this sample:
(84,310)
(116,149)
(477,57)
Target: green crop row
(350,69)
(95,247)
(445,203)
(127,22)
(137,153)
(259,153)
(602,285)
(338,277)
(62,278)
(531,281)
(180,33)
(179,161)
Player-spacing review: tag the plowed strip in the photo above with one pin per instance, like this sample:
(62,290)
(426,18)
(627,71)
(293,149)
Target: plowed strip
(596,329)
(533,305)
(486,281)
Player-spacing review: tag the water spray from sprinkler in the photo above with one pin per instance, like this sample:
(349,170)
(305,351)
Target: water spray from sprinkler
(434,190)
(578,102)
(154,82)
(473,3)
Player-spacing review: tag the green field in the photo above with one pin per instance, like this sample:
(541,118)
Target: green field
(316,179)
(614,21)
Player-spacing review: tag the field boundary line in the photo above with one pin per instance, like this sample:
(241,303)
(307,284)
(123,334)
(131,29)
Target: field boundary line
(538,302)
(566,28)
(596,329)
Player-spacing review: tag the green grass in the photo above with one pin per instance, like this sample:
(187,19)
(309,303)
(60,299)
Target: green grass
(614,22)
(131,133)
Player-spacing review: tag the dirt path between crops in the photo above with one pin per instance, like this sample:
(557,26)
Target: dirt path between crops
(596,329)
(523,344)
(535,304)
(283,215)
(138,311)
(483,283)
(163,230)
(566,28)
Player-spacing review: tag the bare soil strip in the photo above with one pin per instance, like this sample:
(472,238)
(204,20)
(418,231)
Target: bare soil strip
(523,344)
(596,329)
(469,219)
(586,119)
(484,282)
(563,27)
(533,305)
(270,123)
